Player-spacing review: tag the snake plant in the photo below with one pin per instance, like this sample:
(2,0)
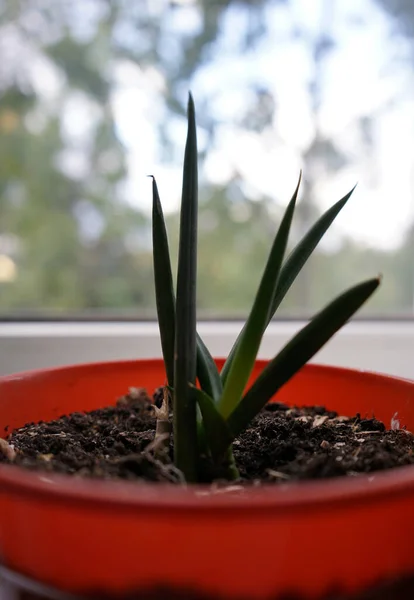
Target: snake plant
(225,407)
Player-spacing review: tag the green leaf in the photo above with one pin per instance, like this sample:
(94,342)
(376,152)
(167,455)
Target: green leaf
(299,350)
(216,432)
(300,254)
(164,288)
(293,265)
(255,326)
(184,404)
(207,372)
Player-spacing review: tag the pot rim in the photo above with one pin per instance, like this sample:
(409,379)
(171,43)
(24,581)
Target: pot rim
(284,498)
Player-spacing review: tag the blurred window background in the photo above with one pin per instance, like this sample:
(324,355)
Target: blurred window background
(92,100)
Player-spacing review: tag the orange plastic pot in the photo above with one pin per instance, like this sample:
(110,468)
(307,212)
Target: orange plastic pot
(80,536)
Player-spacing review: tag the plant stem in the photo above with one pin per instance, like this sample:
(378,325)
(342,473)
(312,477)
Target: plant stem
(232,472)
(163,426)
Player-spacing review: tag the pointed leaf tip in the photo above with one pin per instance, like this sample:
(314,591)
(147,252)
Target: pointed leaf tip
(297,186)
(352,189)
(190,106)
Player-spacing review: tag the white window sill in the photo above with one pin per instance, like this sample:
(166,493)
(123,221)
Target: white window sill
(382,346)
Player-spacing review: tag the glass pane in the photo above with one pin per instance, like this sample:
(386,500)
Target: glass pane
(92,100)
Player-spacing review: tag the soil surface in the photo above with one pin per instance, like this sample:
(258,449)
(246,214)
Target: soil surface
(282,444)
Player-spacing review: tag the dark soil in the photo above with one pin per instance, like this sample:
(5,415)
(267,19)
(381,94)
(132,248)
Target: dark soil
(282,444)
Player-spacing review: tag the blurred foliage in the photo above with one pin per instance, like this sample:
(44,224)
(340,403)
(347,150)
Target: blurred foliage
(66,227)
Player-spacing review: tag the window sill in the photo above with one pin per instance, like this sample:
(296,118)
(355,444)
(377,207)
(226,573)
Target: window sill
(382,346)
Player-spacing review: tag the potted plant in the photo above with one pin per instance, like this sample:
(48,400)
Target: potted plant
(217,518)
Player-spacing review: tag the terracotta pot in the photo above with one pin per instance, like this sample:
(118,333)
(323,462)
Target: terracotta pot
(81,536)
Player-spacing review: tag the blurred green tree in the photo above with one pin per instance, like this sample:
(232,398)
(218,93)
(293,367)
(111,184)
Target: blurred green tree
(70,238)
